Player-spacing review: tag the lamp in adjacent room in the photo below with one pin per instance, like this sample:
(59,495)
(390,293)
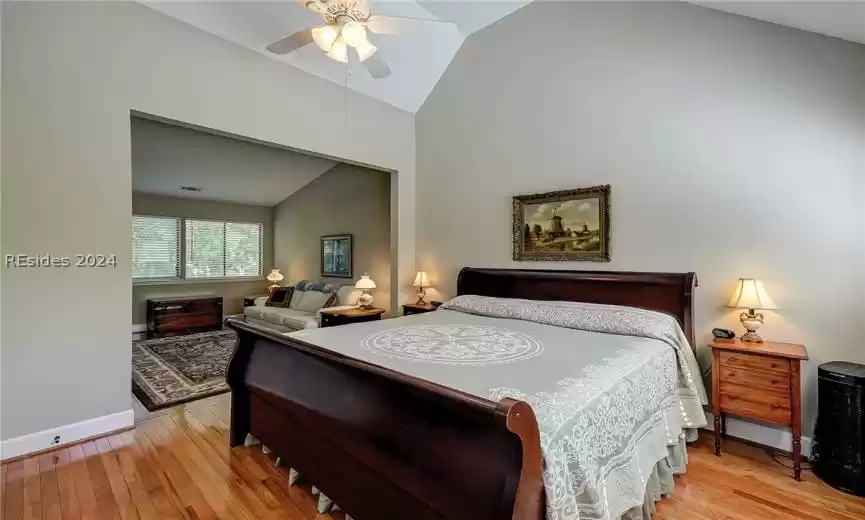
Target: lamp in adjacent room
(421,281)
(275,277)
(365,284)
(751,295)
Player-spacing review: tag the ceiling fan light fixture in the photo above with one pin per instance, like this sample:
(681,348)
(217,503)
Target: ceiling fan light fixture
(338,51)
(354,34)
(365,51)
(325,36)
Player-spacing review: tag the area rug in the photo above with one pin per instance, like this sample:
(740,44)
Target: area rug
(179,369)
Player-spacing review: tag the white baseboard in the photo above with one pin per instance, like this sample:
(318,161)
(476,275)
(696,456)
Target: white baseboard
(761,434)
(138,329)
(68,434)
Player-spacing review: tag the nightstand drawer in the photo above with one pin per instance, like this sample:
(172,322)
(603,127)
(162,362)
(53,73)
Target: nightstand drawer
(755,362)
(770,382)
(768,397)
(772,413)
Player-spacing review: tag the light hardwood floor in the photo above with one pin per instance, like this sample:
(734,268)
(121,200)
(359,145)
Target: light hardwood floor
(177,465)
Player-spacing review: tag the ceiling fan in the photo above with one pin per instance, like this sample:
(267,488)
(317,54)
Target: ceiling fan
(346,25)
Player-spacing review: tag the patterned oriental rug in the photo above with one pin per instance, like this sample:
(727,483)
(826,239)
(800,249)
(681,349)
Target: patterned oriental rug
(179,369)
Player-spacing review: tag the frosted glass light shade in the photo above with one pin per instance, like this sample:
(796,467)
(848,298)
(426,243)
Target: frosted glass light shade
(365,282)
(750,294)
(365,50)
(325,36)
(354,34)
(338,51)
(274,276)
(421,280)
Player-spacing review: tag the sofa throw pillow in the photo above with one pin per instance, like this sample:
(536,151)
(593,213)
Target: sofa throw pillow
(312,301)
(295,298)
(330,301)
(280,297)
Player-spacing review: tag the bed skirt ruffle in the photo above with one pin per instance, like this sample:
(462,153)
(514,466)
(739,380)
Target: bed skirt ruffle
(661,482)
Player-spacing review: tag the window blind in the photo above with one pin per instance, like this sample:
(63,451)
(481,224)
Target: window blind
(242,249)
(155,247)
(222,249)
(205,249)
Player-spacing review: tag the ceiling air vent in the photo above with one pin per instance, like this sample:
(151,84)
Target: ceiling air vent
(190,188)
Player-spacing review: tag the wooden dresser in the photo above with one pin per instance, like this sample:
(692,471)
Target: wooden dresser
(183,314)
(759,381)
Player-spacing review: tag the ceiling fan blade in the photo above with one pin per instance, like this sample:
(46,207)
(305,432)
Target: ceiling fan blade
(379,24)
(397,25)
(376,66)
(293,42)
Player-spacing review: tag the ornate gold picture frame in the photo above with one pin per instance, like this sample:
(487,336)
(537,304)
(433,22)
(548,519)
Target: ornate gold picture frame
(563,226)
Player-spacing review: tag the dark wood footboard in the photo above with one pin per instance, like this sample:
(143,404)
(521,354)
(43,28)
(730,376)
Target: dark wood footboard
(381,444)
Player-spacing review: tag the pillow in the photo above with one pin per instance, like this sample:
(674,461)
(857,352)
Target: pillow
(330,301)
(280,297)
(313,301)
(295,298)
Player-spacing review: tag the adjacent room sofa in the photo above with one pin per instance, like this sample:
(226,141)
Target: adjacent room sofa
(303,310)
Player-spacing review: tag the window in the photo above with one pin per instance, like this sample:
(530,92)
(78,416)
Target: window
(155,247)
(217,249)
(210,249)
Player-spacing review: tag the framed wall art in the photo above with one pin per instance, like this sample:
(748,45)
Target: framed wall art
(336,256)
(564,226)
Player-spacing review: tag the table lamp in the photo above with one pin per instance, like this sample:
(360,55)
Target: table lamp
(421,282)
(274,276)
(365,284)
(751,295)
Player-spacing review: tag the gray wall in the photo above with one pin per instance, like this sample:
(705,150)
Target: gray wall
(345,199)
(232,292)
(67,179)
(734,148)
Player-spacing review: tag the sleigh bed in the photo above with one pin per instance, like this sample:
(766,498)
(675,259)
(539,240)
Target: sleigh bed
(494,407)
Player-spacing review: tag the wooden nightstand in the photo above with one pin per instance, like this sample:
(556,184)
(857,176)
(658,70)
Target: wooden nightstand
(346,316)
(759,381)
(414,308)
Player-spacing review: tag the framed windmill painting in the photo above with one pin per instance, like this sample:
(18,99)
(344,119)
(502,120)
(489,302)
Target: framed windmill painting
(564,226)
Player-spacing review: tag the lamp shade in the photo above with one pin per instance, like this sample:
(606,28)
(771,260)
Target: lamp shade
(421,280)
(274,276)
(365,282)
(751,295)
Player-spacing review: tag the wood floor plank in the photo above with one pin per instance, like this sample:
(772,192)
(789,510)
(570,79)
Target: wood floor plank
(50,488)
(106,502)
(164,498)
(138,493)
(69,509)
(13,498)
(180,483)
(32,490)
(177,465)
(122,498)
(264,504)
(83,485)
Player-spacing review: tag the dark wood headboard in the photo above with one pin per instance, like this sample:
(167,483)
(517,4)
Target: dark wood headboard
(672,293)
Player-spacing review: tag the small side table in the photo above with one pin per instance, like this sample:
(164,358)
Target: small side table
(760,381)
(414,308)
(346,316)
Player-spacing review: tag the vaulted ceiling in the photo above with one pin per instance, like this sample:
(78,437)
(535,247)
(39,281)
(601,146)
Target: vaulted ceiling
(435,30)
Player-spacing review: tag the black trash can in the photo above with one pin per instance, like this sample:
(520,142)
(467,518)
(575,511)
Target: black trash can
(838,450)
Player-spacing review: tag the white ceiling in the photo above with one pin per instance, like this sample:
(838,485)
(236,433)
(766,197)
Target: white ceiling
(845,20)
(418,59)
(166,157)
